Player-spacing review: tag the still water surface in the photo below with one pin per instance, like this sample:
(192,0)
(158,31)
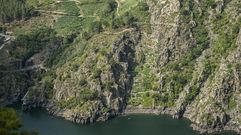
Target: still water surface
(39,120)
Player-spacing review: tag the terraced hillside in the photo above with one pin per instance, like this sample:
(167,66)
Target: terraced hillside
(90,60)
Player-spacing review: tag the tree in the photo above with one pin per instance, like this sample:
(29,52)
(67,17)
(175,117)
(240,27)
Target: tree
(28,44)
(14,10)
(10,123)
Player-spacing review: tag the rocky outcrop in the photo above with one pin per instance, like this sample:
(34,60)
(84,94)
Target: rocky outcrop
(98,89)
(187,65)
(208,97)
(197,79)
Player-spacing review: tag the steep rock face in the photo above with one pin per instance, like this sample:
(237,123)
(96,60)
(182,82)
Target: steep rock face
(197,66)
(217,106)
(98,88)
(187,65)
(194,63)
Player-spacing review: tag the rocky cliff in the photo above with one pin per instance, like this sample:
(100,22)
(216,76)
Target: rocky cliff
(177,57)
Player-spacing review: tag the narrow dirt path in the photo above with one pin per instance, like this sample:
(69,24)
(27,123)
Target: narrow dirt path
(33,67)
(119,32)
(58,13)
(52,12)
(158,24)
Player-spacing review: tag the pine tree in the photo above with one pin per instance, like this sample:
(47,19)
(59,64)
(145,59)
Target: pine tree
(13,10)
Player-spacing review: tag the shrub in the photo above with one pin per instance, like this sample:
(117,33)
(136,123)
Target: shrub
(96,73)
(88,94)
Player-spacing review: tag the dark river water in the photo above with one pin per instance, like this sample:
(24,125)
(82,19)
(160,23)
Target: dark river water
(39,120)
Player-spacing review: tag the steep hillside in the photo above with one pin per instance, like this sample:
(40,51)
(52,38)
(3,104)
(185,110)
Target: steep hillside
(88,60)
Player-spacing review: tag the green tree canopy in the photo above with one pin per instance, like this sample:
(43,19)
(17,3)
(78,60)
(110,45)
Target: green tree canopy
(10,123)
(14,10)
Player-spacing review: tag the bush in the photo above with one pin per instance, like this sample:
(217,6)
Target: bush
(96,27)
(232,104)
(96,73)
(88,94)
(83,82)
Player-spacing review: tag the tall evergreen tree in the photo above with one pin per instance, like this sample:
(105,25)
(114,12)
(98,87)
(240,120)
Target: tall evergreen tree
(13,10)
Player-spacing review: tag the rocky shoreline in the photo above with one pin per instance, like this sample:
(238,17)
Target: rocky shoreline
(177,65)
(129,110)
(139,110)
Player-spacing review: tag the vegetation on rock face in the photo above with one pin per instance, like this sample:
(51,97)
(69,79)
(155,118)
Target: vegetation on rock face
(97,57)
(192,64)
(28,44)
(200,34)
(10,123)
(13,85)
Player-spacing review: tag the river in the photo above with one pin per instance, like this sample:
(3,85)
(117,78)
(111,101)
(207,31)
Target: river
(39,120)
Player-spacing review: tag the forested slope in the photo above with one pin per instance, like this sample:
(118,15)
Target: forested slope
(14,10)
(89,61)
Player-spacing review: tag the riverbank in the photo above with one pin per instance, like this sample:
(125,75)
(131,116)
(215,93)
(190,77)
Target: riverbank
(138,110)
(130,110)
(141,117)
(40,120)
(142,124)
(230,127)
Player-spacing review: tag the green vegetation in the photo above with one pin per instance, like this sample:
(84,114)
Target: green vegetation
(69,25)
(96,72)
(85,95)
(180,72)
(10,123)
(232,104)
(95,17)
(39,3)
(27,44)
(48,85)
(69,7)
(136,16)
(228,32)
(226,42)
(14,9)
(92,60)
(101,8)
